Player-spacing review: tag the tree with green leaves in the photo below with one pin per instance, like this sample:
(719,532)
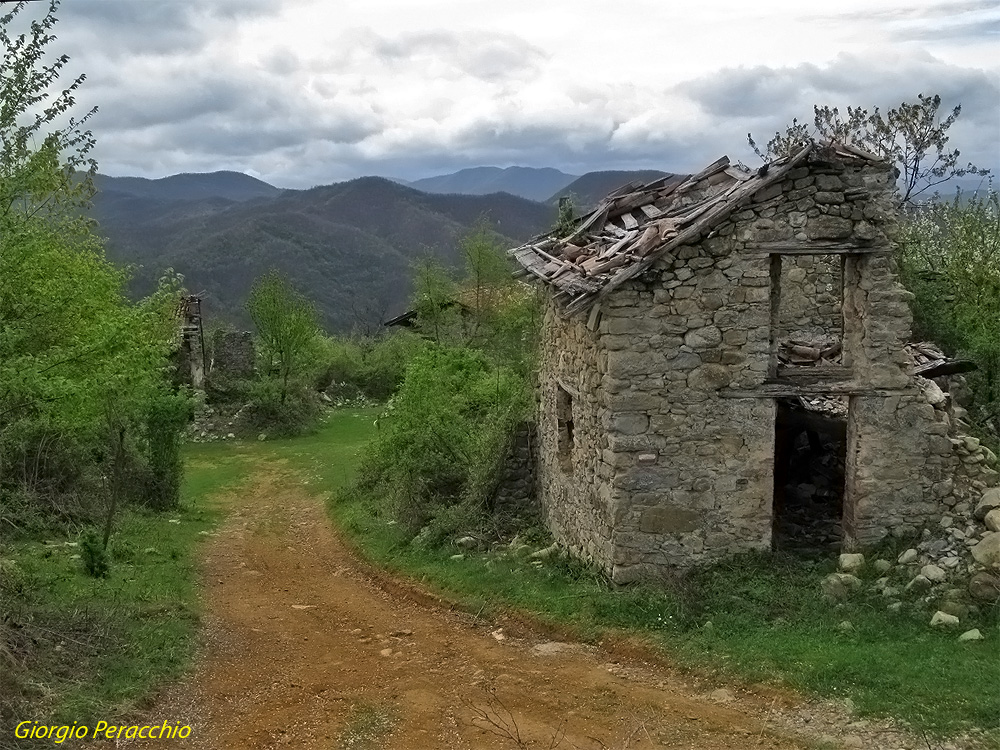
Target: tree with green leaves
(287,329)
(80,366)
(913,137)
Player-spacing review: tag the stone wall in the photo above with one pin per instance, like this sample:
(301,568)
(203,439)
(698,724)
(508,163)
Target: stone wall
(233,354)
(671,460)
(811,299)
(516,491)
(573,475)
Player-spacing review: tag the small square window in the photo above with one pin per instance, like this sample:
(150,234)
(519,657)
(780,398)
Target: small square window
(564,421)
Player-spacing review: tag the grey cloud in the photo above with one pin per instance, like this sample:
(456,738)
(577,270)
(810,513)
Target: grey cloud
(117,28)
(764,100)
(488,56)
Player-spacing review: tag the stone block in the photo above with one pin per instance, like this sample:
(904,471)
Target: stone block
(669,520)
(829,228)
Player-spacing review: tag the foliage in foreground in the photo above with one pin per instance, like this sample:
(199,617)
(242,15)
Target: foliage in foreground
(441,447)
(443,441)
(950,259)
(86,648)
(84,398)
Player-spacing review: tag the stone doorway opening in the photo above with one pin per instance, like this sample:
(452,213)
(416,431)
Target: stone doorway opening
(810,450)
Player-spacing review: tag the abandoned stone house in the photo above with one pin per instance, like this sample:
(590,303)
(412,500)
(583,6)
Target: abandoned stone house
(724,354)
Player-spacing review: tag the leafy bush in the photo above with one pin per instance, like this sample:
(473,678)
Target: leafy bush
(950,260)
(441,445)
(93,554)
(279,410)
(166,418)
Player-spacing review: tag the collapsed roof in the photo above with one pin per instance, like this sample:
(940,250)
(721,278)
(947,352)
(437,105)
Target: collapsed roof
(638,223)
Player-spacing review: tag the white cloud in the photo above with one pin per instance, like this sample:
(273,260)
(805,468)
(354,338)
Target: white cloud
(306,91)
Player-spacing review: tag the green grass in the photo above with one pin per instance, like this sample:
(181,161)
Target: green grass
(768,619)
(97,648)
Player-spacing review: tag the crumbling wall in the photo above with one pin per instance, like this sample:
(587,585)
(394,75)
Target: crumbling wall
(692,470)
(516,491)
(233,354)
(673,457)
(573,474)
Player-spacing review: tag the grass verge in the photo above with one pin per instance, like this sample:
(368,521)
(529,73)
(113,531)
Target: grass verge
(87,649)
(758,618)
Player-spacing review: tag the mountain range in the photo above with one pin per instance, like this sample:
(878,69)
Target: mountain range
(350,247)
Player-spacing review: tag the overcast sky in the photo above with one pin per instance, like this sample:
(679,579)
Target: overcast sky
(306,92)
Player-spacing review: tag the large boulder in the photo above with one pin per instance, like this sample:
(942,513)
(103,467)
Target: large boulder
(984,587)
(989,501)
(987,551)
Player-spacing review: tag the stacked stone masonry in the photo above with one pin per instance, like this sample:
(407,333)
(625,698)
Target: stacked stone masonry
(671,433)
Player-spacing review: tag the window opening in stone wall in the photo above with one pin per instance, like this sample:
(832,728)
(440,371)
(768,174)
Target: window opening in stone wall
(810,449)
(564,421)
(808,314)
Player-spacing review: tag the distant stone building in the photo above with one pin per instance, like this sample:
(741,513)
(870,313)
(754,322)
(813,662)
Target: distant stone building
(233,354)
(724,368)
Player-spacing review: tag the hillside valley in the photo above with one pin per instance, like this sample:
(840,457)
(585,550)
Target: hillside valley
(349,246)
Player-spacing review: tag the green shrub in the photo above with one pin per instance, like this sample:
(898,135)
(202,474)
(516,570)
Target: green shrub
(950,259)
(442,443)
(279,412)
(94,556)
(165,421)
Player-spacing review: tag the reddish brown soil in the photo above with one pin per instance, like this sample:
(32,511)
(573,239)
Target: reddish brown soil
(305,647)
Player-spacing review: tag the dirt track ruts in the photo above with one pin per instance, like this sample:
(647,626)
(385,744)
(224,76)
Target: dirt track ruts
(303,647)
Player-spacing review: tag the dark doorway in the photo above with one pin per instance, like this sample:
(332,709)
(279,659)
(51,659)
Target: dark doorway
(810,448)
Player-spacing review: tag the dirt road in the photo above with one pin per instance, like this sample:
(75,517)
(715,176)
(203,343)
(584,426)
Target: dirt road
(306,648)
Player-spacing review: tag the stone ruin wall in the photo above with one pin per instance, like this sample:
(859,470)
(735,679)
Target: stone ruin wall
(516,490)
(233,354)
(668,471)
(574,490)
(810,306)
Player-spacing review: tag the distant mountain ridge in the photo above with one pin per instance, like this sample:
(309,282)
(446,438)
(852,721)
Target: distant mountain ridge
(349,246)
(536,184)
(234,186)
(589,189)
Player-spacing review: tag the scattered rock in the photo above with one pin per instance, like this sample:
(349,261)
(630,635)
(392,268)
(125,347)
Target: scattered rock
(984,587)
(971,635)
(833,588)
(458,557)
(386,652)
(230,436)
(551,648)
(467,542)
(957,609)
(943,620)
(987,551)
(722,695)
(852,582)
(933,573)
(992,520)
(851,563)
(989,501)
(882,566)
(498,634)
(544,554)
(907,557)
(846,626)
(919,584)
